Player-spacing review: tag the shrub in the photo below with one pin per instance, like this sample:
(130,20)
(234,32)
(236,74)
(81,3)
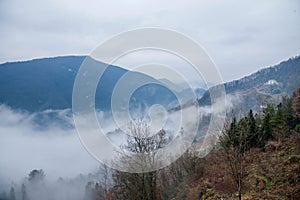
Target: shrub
(297,128)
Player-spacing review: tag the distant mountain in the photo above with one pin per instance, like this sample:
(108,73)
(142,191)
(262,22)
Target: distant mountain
(39,84)
(267,85)
(47,83)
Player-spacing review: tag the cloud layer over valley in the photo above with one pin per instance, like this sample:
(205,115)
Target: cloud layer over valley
(25,146)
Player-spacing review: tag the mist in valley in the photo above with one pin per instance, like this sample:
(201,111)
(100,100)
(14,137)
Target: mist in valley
(46,144)
(51,145)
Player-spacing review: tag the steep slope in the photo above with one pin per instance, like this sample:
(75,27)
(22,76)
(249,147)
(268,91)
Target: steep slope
(265,86)
(272,173)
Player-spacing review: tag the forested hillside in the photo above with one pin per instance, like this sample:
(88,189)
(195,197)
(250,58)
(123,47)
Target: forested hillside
(258,157)
(265,86)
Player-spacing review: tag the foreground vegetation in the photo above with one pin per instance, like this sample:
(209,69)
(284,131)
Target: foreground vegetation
(258,157)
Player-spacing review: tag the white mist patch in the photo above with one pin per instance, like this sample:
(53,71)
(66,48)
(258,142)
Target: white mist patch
(23,148)
(219,106)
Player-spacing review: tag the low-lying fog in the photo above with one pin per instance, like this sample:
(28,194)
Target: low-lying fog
(48,140)
(54,147)
(25,146)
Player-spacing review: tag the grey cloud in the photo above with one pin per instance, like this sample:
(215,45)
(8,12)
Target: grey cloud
(240,36)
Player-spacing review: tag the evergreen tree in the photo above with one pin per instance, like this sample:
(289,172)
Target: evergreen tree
(296,106)
(3,196)
(266,130)
(24,192)
(287,112)
(99,191)
(12,195)
(251,122)
(90,193)
(232,138)
(252,135)
(278,119)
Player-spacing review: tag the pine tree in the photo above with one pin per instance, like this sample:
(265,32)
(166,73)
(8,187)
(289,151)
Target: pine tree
(266,131)
(287,112)
(232,138)
(12,195)
(251,122)
(278,118)
(252,135)
(3,196)
(24,192)
(296,106)
(90,191)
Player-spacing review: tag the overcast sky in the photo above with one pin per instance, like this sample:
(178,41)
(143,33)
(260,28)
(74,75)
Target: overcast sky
(240,36)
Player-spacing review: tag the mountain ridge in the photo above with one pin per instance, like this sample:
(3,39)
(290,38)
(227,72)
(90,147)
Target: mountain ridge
(23,85)
(284,75)
(42,84)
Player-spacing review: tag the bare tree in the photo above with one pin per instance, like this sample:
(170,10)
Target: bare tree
(139,186)
(106,178)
